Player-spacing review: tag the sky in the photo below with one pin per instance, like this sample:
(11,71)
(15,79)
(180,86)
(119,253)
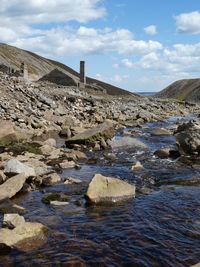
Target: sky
(138,45)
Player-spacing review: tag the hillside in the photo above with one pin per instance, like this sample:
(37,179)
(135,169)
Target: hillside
(183,90)
(40,68)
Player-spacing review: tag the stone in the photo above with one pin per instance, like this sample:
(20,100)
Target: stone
(104,130)
(71,180)
(162,153)
(160,131)
(58,203)
(67,164)
(108,189)
(188,138)
(65,132)
(13,166)
(128,142)
(11,220)
(12,186)
(25,237)
(51,178)
(2,177)
(137,166)
(50,142)
(54,197)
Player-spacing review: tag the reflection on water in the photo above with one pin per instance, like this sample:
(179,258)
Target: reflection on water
(158,229)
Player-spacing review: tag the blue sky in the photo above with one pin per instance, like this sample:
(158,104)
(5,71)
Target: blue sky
(137,45)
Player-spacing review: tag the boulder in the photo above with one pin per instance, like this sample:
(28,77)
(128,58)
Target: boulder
(128,142)
(65,164)
(71,180)
(160,131)
(108,189)
(25,237)
(2,177)
(7,206)
(12,186)
(11,220)
(51,178)
(188,138)
(104,130)
(13,166)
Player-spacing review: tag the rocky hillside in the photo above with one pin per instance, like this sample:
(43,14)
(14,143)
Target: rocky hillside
(50,70)
(183,90)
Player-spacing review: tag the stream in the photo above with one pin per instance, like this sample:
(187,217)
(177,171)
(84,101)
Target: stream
(159,227)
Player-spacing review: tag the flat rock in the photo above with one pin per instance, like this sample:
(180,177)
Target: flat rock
(11,220)
(12,186)
(71,180)
(108,189)
(13,166)
(104,130)
(25,237)
(128,142)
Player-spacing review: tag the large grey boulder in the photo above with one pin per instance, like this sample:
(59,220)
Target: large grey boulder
(129,142)
(188,138)
(108,189)
(104,130)
(25,236)
(12,186)
(13,166)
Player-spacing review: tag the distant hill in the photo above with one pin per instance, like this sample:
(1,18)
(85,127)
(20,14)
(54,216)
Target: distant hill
(40,68)
(183,90)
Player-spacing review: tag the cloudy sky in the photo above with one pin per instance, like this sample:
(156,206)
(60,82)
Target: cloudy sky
(139,45)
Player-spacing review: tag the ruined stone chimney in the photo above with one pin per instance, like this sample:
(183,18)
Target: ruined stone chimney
(82,72)
(24,70)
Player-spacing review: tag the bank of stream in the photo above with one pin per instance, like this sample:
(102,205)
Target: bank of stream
(160,227)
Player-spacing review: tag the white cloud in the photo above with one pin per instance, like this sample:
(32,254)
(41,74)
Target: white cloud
(127,63)
(151,30)
(188,22)
(45,11)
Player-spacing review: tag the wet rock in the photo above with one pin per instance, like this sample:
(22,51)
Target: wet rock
(13,166)
(128,142)
(59,203)
(71,180)
(67,164)
(104,130)
(12,186)
(11,220)
(108,189)
(51,179)
(25,237)
(110,156)
(188,138)
(77,155)
(160,131)
(162,153)
(137,166)
(55,197)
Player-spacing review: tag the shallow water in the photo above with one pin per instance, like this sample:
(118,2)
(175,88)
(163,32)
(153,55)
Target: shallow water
(161,228)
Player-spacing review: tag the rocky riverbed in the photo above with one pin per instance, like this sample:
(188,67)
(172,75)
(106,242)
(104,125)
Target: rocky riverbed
(92,180)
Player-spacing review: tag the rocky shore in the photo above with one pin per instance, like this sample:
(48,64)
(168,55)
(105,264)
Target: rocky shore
(45,128)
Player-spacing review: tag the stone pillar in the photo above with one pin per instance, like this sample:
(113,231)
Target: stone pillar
(24,70)
(82,72)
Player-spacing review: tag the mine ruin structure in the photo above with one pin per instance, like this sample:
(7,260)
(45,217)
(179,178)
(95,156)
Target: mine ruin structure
(82,75)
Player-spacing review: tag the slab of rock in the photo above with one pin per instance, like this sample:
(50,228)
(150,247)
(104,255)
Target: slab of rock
(12,186)
(104,130)
(13,166)
(59,203)
(108,189)
(25,237)
(160,131)
(11,220)
(128,142)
